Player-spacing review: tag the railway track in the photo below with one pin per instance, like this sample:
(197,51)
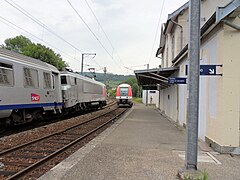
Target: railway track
(21,161)
(53,119)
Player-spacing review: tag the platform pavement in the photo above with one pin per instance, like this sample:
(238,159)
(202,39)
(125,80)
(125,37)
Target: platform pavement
(142,145)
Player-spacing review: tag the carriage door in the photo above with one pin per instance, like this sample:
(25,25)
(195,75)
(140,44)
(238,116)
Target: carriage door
(55,87)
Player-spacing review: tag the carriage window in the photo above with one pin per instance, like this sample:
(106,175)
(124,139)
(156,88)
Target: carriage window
(63,80)
(30,78)
(53,79)
(123,91)
(47,80)
(75,79)
(6,74)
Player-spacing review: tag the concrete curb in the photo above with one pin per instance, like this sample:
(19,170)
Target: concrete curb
(60,170)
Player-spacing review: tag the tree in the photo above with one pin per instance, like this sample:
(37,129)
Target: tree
(112,93)
(135,88)
(44,54)
(24,46)
(17,44)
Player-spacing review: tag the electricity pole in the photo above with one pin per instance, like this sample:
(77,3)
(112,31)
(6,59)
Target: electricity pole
(191,154)
(83,54)
(147,88)
(193,85)
(105,75)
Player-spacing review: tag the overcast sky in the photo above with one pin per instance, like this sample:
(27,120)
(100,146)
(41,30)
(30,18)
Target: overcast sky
(130,26)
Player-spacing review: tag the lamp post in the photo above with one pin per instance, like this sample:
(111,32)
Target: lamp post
(88,54)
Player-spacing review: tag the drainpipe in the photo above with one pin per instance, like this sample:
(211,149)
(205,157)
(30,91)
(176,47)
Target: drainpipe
(234,26)
(174,22)
(181,44)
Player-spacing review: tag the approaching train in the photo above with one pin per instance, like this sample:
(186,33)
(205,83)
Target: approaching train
(124,95)
(30,88)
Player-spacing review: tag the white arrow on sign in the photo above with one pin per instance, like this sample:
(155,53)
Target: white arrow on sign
(211,71)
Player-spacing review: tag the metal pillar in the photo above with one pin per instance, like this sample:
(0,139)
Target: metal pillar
(147,89)
(105,75)
(82,64)
(93,54)
(147,97)
(193,85)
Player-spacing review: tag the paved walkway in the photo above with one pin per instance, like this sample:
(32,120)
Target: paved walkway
(143,145)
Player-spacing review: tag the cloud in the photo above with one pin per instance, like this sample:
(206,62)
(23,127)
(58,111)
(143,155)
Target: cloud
(129,24)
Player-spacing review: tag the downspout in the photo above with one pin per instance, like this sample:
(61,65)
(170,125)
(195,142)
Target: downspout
(159,98)
(234,26)
(160,66)
(181,42)
(181,45)
(177,104)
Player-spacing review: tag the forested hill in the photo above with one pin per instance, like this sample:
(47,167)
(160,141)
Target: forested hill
(113,80)
(109,77)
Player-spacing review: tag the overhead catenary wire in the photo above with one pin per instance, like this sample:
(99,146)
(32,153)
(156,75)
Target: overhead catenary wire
(11,26)
(113,48)
(99,24)
(95,36)
(14,26)
(44,26)
(23,11)
(92,58)
(156,33)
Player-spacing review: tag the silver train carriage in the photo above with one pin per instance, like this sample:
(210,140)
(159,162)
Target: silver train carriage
(28,87)
(81,93)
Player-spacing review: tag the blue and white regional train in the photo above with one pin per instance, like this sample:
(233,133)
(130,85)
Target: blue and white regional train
(30,88)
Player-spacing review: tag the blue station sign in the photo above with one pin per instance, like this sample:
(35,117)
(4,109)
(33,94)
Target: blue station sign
(177,80)
(207,70)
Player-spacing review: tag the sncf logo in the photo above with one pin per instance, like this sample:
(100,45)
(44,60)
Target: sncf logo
(35,97)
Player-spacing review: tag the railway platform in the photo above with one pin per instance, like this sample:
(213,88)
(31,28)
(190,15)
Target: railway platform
(141,145)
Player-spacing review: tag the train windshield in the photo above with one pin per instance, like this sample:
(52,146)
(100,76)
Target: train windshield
(123,91)
(63,80)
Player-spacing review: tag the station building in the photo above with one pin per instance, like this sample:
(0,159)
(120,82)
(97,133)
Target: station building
(219,108)
(150,97)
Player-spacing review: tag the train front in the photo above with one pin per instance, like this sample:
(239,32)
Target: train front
(124,95)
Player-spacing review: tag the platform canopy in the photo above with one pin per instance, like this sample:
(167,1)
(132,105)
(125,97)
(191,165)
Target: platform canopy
(151,78)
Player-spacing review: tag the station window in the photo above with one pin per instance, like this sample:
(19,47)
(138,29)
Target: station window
(30,78)
(47,80)
(6,74)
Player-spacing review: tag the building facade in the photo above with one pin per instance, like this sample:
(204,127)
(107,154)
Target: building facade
(150,97)
(219,106)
